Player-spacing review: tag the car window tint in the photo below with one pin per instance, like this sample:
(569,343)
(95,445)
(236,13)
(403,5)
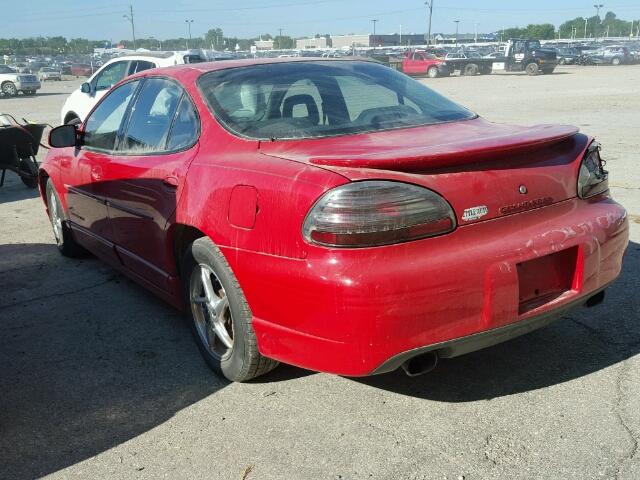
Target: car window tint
(321,98)
(140,66)
(185,126)
(151,117)
(362,96)
(102,126)
(111,75)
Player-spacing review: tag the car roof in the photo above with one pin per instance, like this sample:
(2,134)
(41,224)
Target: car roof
(205,67)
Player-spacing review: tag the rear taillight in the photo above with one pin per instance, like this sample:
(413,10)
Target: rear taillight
(371,213)
(593,179)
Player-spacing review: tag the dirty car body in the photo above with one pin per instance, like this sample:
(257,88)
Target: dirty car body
(367,219)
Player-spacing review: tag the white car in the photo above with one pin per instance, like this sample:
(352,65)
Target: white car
(81,101)
(12,82)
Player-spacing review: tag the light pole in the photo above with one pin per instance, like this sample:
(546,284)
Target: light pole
(457,22)
(475,37)
(430,5)
(133,26)
(374,32)
(595,30)
(189,22)
(585,28)
(280,39)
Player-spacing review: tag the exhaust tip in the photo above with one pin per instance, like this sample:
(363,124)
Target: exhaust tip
(597,299)
(420,364)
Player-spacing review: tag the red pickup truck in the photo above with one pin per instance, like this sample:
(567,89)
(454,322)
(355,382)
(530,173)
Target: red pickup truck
(423,63)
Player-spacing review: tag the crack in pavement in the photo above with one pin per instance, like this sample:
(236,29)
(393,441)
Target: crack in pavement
(618,411)
(58,294)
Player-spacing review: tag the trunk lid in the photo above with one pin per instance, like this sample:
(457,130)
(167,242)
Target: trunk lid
(484,170)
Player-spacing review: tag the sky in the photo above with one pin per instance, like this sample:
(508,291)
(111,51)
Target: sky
(103,19)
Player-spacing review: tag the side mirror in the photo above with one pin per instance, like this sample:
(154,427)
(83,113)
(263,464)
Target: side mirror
(85,87)
(63,136)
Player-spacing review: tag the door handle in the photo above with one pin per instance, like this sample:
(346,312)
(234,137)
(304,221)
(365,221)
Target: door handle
(170,181)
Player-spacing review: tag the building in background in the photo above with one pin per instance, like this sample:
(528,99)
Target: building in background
(345,41)
(263,44)
(319,42)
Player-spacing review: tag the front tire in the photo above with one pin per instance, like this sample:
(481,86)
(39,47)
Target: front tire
(221,318)
(61,231)
(532,69)
(616,61)
(9,89)
(432,72)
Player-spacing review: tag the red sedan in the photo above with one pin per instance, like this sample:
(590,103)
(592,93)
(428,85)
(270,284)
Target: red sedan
(336,215)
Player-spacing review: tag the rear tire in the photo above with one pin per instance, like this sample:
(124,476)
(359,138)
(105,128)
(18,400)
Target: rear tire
(61,231)
(233,352)
(616,61)
(432,72)
(532,69)
(470,70)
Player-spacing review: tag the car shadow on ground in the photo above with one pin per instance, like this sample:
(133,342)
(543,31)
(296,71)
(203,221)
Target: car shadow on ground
(88,360)
(584,341)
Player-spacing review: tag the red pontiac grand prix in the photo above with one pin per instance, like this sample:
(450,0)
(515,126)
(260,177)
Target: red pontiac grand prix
(333,214)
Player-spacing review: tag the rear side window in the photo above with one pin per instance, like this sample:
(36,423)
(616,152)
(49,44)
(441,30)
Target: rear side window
(185,126)
(140,66)
(151,117)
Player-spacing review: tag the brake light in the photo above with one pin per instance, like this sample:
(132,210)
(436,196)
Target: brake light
(372,213)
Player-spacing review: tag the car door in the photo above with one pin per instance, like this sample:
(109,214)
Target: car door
(143,181)
(82,172)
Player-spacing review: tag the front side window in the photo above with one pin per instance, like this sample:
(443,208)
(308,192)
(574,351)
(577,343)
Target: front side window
(102,127)
(151,117)
(321,98)
(111,75)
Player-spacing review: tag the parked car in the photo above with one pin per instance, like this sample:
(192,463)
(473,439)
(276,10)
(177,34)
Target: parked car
(567,56)
(610,55)
(12,82)
(82,69)
(495,55)
(423,63)
(298,211)
(82,100)
(48,73)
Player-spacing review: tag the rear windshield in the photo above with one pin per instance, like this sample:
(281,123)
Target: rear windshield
(321,98)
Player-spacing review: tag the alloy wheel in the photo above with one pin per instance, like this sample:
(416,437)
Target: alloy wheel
(56,220)
(211,312)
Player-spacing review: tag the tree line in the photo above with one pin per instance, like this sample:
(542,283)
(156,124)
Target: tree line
(579,27)
(215,39)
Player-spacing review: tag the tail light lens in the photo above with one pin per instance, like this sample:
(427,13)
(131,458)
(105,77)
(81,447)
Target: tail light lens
(371,213)
(593,179)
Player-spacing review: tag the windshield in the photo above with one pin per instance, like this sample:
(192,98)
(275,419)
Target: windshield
(320,99)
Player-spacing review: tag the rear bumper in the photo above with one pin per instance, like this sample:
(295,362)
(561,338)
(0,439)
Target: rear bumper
(478,341)
(357,311)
